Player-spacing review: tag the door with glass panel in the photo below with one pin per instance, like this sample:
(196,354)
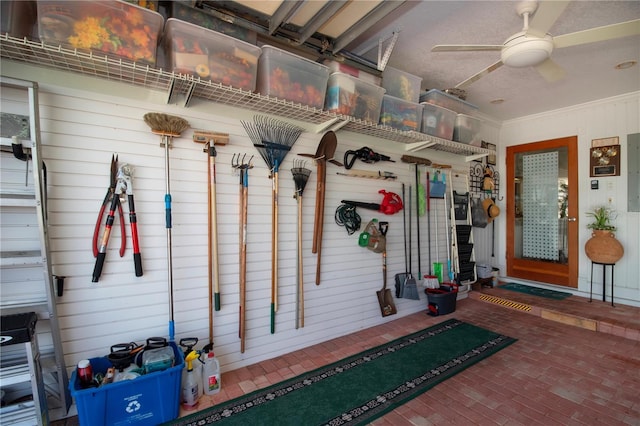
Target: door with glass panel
(542,211)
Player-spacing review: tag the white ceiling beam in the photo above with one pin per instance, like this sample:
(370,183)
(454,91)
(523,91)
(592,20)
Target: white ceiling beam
(365,23)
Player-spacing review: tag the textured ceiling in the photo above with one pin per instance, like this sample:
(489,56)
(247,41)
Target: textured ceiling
(590,73)
(420,25)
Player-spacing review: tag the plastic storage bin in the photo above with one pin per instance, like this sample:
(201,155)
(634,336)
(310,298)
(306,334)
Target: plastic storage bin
(351,96)
(150,399)
(287,76)
(467,130)
(185,12)
(484,271)
(400,114)
(445,100)
(437,121)
(336,66)
(190,49)
(442,300)
(115,28)
(401,84)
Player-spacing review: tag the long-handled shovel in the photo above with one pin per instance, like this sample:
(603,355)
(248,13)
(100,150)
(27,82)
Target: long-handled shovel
(385,298)
(168,127)
(300,177)
(325,152)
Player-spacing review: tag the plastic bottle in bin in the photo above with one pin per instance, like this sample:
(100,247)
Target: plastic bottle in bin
(211,375)
(85,373)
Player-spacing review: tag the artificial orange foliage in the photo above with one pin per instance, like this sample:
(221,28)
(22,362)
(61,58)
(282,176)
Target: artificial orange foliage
(123,33)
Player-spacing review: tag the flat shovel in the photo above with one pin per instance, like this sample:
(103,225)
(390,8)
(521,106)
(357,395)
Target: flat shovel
(385,298)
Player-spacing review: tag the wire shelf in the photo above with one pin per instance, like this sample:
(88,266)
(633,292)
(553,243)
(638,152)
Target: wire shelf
(184,88)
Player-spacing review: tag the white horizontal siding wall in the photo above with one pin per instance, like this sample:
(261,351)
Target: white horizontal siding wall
(618,116)
(81,131)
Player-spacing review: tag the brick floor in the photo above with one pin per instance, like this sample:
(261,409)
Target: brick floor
(559,372)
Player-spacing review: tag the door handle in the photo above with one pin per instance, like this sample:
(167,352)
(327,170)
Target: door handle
(571,219)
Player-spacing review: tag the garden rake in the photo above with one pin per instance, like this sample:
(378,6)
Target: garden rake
(273,138)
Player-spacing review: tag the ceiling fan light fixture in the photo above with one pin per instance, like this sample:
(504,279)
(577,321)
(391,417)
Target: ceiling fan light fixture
(522,51)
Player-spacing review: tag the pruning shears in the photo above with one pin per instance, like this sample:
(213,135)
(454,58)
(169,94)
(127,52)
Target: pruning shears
(121,181)
(109,199)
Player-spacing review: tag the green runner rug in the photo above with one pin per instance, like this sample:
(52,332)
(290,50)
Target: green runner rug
(363,387)
(536,291)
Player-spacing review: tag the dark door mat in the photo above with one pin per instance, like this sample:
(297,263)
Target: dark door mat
(536,291)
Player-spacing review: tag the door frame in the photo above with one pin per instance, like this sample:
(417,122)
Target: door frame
(546,272)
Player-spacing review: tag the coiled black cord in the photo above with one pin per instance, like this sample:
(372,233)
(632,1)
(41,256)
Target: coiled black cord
(347,216)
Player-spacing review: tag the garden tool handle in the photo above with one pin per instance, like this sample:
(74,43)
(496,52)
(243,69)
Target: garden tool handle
(102,250)
(133,221)
(383,227)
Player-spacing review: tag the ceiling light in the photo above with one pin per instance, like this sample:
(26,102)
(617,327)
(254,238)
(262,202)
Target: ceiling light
(496,101)
(523,51)
(626,64)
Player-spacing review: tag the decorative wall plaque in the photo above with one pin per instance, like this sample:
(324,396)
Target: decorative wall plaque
(605,161)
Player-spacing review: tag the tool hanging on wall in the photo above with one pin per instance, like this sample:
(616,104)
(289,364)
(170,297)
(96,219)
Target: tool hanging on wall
(385,298)
(430,280)
(401,277)
(211,139)
(242,167)
(273,139)
(391,203)
(167,126)
(369,174)
(325,152)
(300,178)
(347,216)
(449,227)
(123,185)
(108,199)
(367,155)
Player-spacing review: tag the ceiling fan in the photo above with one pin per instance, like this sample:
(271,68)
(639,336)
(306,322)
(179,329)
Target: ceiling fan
(533,45)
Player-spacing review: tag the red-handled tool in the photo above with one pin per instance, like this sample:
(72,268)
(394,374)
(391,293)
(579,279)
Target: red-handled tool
(107,199)
(123,185)
(125,173)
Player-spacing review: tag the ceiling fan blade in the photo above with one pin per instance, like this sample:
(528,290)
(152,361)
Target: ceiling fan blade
(551,71)
(466,47)
(547,14)
(479,75)
(607,32)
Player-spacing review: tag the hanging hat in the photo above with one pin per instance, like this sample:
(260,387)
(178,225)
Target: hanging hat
(490,208)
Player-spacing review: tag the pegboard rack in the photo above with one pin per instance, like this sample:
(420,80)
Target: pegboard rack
(183,89)
(476,176)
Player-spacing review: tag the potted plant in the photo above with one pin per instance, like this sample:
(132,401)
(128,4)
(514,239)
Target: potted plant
(602,217)
(603,247)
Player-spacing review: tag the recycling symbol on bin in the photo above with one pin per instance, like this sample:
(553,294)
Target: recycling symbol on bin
(133,406)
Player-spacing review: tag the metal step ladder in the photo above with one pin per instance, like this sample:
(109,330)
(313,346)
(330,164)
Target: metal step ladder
(33,376)
(463,259)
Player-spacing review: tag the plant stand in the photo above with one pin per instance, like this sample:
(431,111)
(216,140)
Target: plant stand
(604,283)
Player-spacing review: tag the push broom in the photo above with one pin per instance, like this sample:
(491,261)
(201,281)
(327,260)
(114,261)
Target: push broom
(273,139)
(167,126)
(211,139)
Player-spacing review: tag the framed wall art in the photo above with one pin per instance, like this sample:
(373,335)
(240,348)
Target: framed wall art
(491,158)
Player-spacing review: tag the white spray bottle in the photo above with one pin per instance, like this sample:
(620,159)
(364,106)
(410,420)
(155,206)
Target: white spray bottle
(191,382)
